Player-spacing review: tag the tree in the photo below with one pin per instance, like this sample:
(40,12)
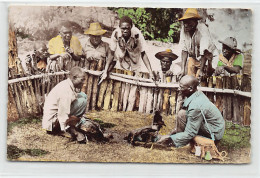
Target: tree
(156,23)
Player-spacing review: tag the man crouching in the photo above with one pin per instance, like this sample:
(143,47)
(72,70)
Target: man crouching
(63,102)
(199,116)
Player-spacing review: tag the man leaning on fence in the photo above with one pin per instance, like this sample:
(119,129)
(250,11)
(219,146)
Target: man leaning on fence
(199,116)
(63,102)
(231,59)
(65,50)
(128,47)
(36,61)
(197,46)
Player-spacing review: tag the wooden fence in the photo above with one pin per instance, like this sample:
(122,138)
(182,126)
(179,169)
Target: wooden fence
(125,92)
(122,91)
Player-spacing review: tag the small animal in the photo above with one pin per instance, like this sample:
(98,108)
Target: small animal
(90,129)
(148,133)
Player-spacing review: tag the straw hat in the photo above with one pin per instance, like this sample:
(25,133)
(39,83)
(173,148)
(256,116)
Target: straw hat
(95,29)
(230,42)
(167,53)
(191,13)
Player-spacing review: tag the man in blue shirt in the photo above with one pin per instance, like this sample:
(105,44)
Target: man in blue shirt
(191,121)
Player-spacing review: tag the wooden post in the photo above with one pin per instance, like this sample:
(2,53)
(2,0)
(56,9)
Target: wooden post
(155,98)
(173,97)
(13,112)
(102,90)
(166,95)
(12,50)
(219,99)
(108,95)
(172,102)
(149,102)
(120,104)
(131,97)
(93,65)
(143,96)
(126,91)
(246,86)
(116,93)
(156,94)
(40,98)
(227,110)
(85,84)
(14,104)
(204,83)
(235,101)
(138,93)
(33,97)
(148,107)
(95,85)
(210,85)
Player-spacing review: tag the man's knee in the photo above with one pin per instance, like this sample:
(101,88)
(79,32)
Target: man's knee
(181,120)
(181,114)
(82,95)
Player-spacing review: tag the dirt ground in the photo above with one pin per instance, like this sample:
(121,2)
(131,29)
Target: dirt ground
(30,136)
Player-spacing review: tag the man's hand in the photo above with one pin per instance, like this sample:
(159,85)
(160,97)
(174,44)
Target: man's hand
(69,50)
(169,73)
(166,141)
(219,70)
(202,75)
(180,75)
(154,77)
(103,76)
(90,59)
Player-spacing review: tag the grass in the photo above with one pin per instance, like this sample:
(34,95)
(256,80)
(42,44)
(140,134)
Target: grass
(13,152)
(22,122)
(236,136)
(28,142)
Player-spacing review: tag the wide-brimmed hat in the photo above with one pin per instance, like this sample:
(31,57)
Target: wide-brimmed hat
(191,13)
(95,29)
(231,42)
(167,53)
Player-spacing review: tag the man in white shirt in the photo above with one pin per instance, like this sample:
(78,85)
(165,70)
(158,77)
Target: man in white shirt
(128,47)
(63,102)
(197,46)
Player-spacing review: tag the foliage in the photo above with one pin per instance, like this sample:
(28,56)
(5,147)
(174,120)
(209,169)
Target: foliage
(13,152)
(235,136)
(156,23)
(23,121)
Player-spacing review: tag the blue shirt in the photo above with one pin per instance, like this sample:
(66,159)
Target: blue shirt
(195,122)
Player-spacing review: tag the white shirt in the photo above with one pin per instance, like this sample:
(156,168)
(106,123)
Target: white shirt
(134,54)
(57,104)
(198,43)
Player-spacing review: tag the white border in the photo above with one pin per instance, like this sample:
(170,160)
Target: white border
(43,169)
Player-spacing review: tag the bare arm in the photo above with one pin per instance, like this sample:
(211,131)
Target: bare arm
(147,63)
(54,56)
(107,66)
(109,60)
(207,56)
(184,57)
(75,57)
(234,69)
